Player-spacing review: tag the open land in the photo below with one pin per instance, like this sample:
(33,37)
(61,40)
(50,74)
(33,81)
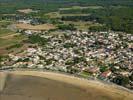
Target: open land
(26,11)
(9,38)
(36,27)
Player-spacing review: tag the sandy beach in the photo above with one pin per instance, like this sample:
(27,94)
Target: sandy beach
(34,85)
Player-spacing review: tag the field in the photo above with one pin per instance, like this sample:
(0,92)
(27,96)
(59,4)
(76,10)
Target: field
(12,41)
(4,23)
(33,85)
(9,38)
(26,11)
(80,7)
(81,25)
(37,27)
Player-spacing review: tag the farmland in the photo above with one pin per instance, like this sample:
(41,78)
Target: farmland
(8,37)
(37,27)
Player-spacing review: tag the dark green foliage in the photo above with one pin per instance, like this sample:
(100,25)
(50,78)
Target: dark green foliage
(72,70)
(116,14)
(69,45)
(14,46)
(98,28)
(78,60)
(77,18)
(67,27)
(37,39)
(10,6)
(103,68)
(121,80)
(114,18)
(131,77)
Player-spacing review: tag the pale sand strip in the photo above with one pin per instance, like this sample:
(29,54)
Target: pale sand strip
(69,79)
(3,77)
(111,90)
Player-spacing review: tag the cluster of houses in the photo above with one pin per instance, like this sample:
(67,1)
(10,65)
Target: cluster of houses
(103,55)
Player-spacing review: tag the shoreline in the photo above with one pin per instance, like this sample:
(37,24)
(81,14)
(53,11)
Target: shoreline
(94,87)
(103,83)
(30,72)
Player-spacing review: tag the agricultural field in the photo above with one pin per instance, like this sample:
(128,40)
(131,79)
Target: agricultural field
(36,27)
(26,11)
(81,25)
(4,23)
(10,42)
(81,7)
(8,38)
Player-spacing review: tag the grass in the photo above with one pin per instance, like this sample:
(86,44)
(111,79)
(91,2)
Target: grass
(74,15)
(8,42)
(84,74)
(59,15)
(36,27)
(11,41)
(80,7)
(8,38)
(4,23)
(81,25)
(5,32)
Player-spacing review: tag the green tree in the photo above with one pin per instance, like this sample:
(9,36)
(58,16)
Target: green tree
(121,80)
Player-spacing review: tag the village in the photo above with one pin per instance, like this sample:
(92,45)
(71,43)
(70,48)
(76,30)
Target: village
(98,55)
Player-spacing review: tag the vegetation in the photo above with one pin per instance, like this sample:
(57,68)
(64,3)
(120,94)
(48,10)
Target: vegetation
(121,80)
(115,14)
(67,27)
(18,45)
(103,68)
(115,18)
(98,28)
(37,39)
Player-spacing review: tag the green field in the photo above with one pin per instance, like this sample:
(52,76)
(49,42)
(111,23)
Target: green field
(4,32)
(9,40)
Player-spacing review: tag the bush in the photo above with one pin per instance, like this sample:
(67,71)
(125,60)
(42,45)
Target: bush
(121,80)
(37,39)
(98,28)
(67,27)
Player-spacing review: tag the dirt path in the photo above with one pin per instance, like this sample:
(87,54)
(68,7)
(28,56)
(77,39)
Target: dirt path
(8,36)
(36,27)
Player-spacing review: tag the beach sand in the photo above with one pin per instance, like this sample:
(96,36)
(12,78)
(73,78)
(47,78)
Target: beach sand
(33,85)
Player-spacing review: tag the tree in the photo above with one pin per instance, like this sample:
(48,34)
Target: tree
(121,80)
(103,68)
(37,39)
(67,27)
(131,77)
(98,28)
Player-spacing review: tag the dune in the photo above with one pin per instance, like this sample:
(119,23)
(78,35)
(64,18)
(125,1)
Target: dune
(34,85)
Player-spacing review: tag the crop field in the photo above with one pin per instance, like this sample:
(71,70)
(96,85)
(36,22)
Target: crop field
(81,7)
(26,11)
(36,27)
(9,38)
(4,23)
(81,25)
